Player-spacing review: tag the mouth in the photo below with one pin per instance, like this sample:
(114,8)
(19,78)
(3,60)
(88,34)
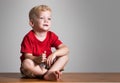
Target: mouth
(45,24)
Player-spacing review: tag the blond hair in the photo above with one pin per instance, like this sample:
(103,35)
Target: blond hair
(35,11)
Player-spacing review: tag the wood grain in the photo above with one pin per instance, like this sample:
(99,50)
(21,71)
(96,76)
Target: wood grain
(66,78)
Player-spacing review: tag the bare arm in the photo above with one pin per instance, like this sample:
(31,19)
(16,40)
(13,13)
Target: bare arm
(61,51)
(37,60)
(29,56)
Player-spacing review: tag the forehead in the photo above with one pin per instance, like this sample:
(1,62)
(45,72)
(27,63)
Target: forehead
(44,13)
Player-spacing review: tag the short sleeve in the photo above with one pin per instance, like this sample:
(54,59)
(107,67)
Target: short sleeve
(55,40)
(26,46)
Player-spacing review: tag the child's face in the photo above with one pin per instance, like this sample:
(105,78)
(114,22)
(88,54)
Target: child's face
(43,21)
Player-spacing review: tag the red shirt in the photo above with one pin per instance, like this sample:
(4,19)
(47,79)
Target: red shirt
(31,44)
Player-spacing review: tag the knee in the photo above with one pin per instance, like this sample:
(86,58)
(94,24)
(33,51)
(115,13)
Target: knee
(65,57)
(27,63)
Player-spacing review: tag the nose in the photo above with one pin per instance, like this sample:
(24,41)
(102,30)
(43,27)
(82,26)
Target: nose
(46,20)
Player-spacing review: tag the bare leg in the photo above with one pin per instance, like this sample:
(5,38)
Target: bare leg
(54,72)
(30,69)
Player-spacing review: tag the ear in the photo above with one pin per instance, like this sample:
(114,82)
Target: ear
(31,23)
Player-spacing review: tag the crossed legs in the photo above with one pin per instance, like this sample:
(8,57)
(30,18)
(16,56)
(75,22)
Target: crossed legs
(30,69)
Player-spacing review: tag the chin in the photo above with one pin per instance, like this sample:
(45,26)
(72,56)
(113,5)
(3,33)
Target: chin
(47,29)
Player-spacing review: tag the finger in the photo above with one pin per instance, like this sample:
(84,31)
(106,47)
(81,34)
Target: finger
(44,59)
(44,52)
(43,55)
(49,62)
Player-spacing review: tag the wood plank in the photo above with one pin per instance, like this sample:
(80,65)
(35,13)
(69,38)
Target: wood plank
(66,78)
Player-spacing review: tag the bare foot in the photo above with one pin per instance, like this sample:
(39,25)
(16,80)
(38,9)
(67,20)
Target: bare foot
(53,76)
(58,73)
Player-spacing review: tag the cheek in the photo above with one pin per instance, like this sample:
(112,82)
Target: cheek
(50,23)
(40,23)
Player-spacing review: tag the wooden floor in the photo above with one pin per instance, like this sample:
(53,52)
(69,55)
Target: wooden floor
(66,78)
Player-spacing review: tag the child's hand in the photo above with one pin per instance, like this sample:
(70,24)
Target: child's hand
(41,58)
(50,59)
